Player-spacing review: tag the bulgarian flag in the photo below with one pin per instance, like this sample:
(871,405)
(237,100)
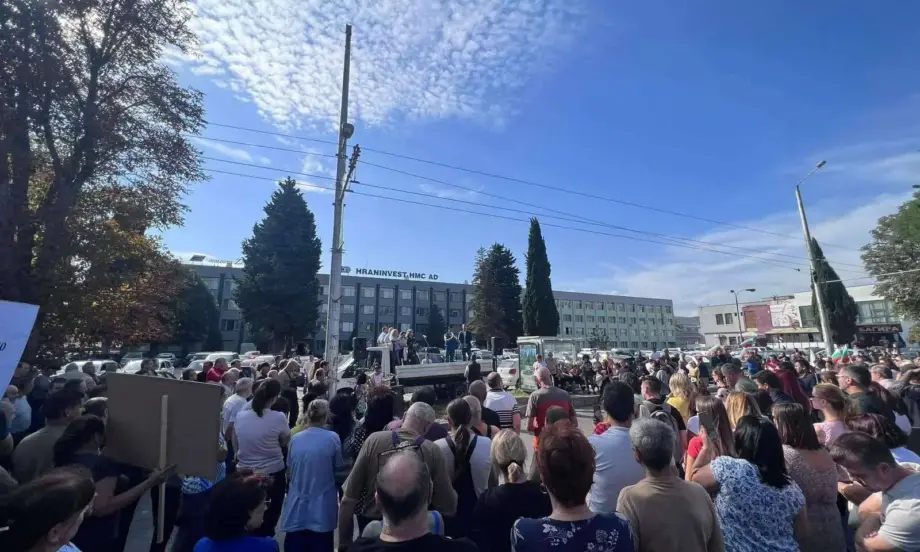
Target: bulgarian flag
(841,355)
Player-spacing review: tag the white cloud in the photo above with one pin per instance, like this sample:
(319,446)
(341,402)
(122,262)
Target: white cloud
(410,59)
(228,151)
(309,187)
(446,192)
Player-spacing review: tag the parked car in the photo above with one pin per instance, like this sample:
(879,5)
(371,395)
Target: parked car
(229,356)
(134,366)
(171,357)
(130,357)
(254,362)
(510,373)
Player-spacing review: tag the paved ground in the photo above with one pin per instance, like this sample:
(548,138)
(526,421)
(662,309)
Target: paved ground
(142,527)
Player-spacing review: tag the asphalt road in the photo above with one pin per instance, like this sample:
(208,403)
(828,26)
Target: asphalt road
(142,527)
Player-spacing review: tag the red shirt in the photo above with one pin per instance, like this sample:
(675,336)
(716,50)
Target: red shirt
(540,401)
(214,374)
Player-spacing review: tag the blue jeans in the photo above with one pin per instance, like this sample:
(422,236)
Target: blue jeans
(309,541)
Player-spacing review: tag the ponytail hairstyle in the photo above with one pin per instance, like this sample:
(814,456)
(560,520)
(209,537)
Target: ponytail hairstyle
(459,414)
(265,395)
(836,399)
(31,511)
(77,434)
(509,456)
(723,440)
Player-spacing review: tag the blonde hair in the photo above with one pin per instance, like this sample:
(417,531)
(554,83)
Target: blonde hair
(681,386)
(508,456)
(739,405)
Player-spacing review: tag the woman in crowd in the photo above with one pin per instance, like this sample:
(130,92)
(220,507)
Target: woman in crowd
(723,443)
(45,514)
(834,406)
(311,507)
(99,407)
(807,377)
(236,509)
(893,403)
(683,395)
(478,426)
(411,348)
(565,460)
(302,421)
(810,465)
(792,386)
(760,507)
(260,437)
(879,427)
(515,496)
(81,445)
(828,376)
(466,456)
(317,385)
(380,407)
(739,405)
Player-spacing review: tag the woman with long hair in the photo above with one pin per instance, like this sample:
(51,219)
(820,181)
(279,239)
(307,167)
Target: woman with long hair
(381,404)
(81,445)
(683,394)
(260,439)
(516,496)
(235,512)
(834,405)
(722,442)
(760,507)
(810,465)
(466,456)
(893,403)
(739,405)
(885,431)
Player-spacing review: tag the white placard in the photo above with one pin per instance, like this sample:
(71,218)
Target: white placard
(16,321)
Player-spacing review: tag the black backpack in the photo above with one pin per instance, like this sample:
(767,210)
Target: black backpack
(459,524)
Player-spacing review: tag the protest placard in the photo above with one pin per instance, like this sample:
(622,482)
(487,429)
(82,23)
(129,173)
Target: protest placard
(16,321)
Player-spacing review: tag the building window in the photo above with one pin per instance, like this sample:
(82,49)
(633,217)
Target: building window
(324,307)
(579,318)
(728,318)
(386,293)
(323,290)
(348,291)
(645,344)
(632,319)
(348,309)
(440,296)
(567,331)
(405,311)
(634,331)
(622,320)
(386,310)
(455,313)
(643,333)
(655,322)
(454,297)
(421,311)
(634,344)
(469,313)
(368,327)
(421,295)
(732,340)
(404,327)
(579,331)
(589,318)
(641,308)
(566,317)
(601,319)
(421,328)
(566,304)
(632,308)
(367,309)
(589,305)
(368,292)
(230,305)
(719,320)
(348,326)
(667,310)
(227,325)
(578,305)
(405,294)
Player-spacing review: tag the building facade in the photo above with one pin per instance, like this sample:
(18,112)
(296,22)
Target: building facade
(370,302)
(688,335)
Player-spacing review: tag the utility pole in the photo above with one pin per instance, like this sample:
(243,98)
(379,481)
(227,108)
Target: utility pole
(346,130)
(819,293)
(738,312)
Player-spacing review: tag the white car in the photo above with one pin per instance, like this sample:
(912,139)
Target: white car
(134,366)
(510,372)
(227,355)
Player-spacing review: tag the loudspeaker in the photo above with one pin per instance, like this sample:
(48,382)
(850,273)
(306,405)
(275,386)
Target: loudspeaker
(496,346)
(359,348)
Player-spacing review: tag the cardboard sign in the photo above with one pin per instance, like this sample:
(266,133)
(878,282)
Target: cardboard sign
(16,321)
(192,424)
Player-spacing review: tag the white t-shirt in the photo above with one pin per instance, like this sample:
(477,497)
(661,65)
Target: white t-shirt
(537,365)
(901,514)
(480,462)
(259,440)
(232,407)
(504,404)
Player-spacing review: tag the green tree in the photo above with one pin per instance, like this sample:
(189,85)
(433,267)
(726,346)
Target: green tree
(496,301)
(541,317)
(197,316)
(436,327)
(279,290)
(841,308)
(895,248)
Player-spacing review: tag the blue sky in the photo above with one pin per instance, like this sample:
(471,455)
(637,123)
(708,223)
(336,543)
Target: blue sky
(713,110)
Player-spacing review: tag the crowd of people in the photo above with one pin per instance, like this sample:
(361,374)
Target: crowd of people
(703,454)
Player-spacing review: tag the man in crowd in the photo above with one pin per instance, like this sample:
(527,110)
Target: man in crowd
(428,396)
(652,401)
(216,371)
(473,371)
(364,474)
(403,486)
(538,364)
(651,503)
(768,381)
(882,374)
(503,403)
(382,337)
(736,380)
(616,466)
(35,454)
(466,342)
(855,380)
(479,390)
(232,406)
(869,462)
(287,376)
(149,368)
(546,396)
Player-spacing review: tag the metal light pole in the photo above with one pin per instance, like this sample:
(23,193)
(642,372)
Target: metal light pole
(819,293)
(738,312)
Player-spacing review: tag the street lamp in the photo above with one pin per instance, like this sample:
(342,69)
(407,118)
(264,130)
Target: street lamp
(738,311)
(819,293)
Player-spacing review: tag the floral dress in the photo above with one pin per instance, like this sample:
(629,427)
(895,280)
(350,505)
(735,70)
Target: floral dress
(755,517)
(601,533)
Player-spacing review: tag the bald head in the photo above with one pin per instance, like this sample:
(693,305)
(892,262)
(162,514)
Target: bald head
(402,487)
(544,377)
(478,389)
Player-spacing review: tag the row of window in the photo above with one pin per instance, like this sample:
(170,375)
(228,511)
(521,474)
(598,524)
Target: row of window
(590,318)
(611,306)
(389,310)
(566,330)
(404,294)
(723,319)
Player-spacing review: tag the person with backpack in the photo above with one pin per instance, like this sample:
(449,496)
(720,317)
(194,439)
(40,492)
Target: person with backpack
(467,460)
(615,464)
(654,406)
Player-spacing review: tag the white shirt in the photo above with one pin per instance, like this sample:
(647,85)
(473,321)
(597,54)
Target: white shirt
(480,462)
(504,404)
(616,468)
(259,440)
(381,338)
(232,407)
(537,365)
(376,379)
(901,514)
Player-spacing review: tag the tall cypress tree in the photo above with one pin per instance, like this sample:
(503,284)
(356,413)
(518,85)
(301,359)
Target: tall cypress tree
(279,290)
(841,308)
(496,301)
(541,317)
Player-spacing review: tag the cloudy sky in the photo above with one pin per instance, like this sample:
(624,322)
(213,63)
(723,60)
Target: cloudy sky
(621,125)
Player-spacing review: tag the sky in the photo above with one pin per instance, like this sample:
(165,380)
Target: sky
(620,125)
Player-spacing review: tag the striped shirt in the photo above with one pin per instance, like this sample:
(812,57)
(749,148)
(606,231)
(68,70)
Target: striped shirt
(504,404)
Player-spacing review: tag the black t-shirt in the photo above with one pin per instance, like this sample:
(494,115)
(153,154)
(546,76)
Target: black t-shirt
(473,372)
(95,531)
(425,543)
(490,417)
(498,508)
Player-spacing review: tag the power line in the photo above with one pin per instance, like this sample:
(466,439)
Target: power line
(263,146)
(269,133)
(770,262)
(570,217)
(540,185)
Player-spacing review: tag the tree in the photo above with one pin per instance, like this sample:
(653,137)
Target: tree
(541,317)
(895,248)
(197,316)
(436,327)
(496,301)
(841,308)
(279,289)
